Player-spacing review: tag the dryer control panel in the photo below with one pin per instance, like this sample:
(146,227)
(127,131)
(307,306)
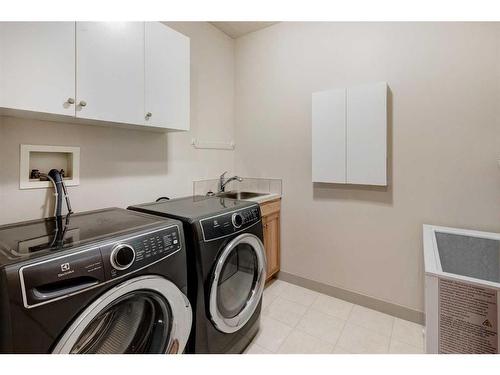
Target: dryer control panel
(135,253)
(226,224)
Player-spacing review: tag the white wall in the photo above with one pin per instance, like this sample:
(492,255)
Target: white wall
(444,144)
(121,167)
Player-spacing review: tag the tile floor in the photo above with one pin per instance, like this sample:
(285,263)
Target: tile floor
(299,320)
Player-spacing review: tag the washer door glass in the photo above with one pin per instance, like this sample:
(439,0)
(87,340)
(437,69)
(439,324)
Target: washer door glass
(136,323)
(147,314)
(238,282)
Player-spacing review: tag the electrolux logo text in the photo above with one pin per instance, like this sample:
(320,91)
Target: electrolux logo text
(65,267)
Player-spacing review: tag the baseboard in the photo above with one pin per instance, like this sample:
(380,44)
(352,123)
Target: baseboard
(357,298)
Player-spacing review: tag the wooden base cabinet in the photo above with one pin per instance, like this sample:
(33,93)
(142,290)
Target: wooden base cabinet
(271,225)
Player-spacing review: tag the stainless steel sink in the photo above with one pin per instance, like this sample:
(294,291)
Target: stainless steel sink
(240,194)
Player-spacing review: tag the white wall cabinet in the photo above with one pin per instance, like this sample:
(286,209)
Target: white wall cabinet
(135,73)
(37,66)
(366,136)
(167,59)
(349,135)
(328,136)
(110,71)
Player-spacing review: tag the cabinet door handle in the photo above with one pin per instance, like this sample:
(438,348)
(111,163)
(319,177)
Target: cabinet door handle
(70,101)
(148,115)
(82,103)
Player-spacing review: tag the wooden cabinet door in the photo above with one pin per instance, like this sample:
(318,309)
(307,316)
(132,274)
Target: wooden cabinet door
(110,71)
(167,77)
(267,245)
(37,66)
(272,242)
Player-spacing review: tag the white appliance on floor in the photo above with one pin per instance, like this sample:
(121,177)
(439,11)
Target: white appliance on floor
(462,286)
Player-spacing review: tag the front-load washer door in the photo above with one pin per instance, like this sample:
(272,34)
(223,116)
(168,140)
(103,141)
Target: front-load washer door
(147,314)
(237,283)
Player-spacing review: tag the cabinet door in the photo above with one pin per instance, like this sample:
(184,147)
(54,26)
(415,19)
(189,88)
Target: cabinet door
(37,66)
(272,243)
(267,245)
(110,71)
(367,134)
(167,77)
(328,136)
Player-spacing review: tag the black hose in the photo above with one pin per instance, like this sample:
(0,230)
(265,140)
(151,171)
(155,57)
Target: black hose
(56,176)
(162,199)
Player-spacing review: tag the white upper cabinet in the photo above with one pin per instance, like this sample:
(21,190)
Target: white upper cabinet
(349,135)
(328,136)
(167,71)
(37,66)
(367,134)
(110,71)
(114,72)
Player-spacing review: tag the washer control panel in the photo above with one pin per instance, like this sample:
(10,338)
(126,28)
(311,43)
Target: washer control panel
(59,277)
(122,256)
(140,251)
(229,223)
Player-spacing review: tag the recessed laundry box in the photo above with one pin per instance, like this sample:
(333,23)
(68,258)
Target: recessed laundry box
(462,286)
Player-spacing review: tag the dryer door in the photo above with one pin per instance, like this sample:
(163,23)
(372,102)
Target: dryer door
(147,314)
(237,283)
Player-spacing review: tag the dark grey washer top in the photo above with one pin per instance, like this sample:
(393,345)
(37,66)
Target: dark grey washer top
(469,256)
(34,238)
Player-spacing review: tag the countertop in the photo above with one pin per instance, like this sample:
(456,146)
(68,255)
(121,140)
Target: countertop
(264,198)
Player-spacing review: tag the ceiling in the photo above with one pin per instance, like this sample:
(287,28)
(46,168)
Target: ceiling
(237,29)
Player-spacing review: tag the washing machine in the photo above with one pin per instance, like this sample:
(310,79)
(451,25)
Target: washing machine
(226,268)
(107,281)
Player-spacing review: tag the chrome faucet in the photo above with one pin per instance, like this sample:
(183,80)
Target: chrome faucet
(223,182)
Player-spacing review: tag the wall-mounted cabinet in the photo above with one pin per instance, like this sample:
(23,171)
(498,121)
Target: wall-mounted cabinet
(167,71)
(349,135)
(135,73)
(110,71)
(37,66)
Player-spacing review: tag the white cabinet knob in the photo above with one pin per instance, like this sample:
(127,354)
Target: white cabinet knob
(70,101)
(82,103)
